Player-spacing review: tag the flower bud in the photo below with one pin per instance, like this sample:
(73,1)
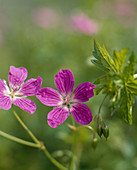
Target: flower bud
(105,131)
(94,142)
(99,129)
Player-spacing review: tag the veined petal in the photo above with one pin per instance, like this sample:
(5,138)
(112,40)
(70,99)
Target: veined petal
(49,97)
(64,82)
(3,86)
(17,76)
(57,116)
(31,87)
(5,99)
(25,104)
(5,102)
(83,92)
(81,113)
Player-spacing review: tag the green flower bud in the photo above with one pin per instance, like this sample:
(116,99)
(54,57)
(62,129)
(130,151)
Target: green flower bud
(105,131)
(94,142)
(99,129)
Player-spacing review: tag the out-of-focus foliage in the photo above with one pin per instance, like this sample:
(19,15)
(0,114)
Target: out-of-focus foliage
(46,47)
(118,82)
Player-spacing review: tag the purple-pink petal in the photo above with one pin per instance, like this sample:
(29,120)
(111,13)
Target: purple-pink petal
(2,86)
(57,116)
(31,87)
(64,82)
(25,104)
(5,102)
(49,97)
(81,113)
(83,92)
(17,76)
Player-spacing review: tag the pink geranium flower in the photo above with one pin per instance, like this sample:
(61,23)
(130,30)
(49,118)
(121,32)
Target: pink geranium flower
(81,22)
(67,101)
(16,92)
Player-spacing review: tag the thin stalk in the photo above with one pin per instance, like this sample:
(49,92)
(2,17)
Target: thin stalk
(72,165)
(53,160)
(25,127)
(101,104)
(73,122)
(18,140)
(78,128)
(81,127)
(98,114)
(88,127)
(41,145)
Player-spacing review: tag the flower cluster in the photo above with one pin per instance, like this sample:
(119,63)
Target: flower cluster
(66,100)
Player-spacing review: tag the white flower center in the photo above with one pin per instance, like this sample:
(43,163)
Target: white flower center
(67,100)
(12,91)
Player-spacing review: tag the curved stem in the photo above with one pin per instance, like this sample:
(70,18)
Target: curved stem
(88,127)
(53,160)
(84,126)
(101,104)
(72,165)
(18,140)
(98,114)
(41,145)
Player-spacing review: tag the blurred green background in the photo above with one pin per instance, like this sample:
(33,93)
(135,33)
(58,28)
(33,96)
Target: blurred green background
(44,43)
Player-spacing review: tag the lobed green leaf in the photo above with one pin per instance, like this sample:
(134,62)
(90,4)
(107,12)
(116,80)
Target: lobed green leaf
(118,82)
(125,106)
(103,57)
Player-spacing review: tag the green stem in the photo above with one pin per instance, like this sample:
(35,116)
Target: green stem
(53,160)
(18,140)
(88,127)
(25,127)
(41,145)
(73,122)
(101,105)
(81,127)
(72,166)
